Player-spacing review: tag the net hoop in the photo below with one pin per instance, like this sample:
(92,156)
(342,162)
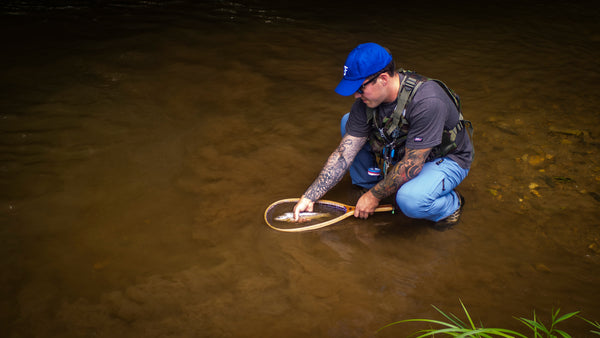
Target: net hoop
(349,211)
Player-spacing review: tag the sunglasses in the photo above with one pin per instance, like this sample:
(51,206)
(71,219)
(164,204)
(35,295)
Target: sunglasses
(364,85)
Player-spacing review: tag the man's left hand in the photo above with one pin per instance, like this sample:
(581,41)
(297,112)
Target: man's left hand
(366,205)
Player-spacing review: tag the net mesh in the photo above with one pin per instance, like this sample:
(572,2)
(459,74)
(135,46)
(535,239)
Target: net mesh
(323,211)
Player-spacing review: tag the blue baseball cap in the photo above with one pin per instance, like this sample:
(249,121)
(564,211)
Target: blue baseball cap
(362,62)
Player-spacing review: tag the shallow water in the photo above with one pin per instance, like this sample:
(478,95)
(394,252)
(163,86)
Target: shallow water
(141,142)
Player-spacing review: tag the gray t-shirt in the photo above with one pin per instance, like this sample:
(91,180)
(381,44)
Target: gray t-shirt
(428,114)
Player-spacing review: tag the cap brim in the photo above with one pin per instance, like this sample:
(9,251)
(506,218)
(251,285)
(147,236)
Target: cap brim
(348,87)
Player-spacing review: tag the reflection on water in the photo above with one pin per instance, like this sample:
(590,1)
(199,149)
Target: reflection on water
(141,142)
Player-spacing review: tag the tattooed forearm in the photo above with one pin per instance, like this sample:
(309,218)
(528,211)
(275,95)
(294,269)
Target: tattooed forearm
(336,166)
(402,172)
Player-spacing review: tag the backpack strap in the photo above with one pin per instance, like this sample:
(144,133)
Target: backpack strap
(408,88)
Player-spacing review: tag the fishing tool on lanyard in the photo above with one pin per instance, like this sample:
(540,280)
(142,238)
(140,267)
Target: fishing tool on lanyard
(389,149)
(388,153)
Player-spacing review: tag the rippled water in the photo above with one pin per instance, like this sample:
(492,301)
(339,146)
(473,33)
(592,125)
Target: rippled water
(142,140)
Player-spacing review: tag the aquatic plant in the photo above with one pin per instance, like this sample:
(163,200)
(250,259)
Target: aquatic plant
(541,331)
(539,328)
(455,327)
(595,324)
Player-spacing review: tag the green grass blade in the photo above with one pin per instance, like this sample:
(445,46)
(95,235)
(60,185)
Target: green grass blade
(524,321)
(431,321)
(451,331)
(467,313)
(534,325)
(565,316)
(490,332)
(466,332)
(596,324)
(563,333)
(454,319)
(475,333)
(556,320)
(509,333)
(535,330)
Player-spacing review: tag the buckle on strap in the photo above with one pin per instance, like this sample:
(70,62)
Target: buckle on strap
(410,83)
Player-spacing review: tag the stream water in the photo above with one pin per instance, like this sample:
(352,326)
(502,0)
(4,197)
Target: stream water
(141,141)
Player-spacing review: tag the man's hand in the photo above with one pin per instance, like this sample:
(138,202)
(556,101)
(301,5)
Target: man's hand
(366,205)
(304,204)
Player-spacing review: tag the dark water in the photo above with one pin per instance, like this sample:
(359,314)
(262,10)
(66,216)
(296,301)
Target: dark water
(142,140)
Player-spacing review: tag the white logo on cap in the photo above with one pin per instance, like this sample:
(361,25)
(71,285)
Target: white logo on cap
(345,70)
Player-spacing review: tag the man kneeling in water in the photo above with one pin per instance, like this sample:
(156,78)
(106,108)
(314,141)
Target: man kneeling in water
(410,124)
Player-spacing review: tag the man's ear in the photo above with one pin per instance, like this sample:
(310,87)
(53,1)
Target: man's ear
(384,78)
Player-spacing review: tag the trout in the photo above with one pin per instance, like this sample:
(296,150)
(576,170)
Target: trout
(302,217)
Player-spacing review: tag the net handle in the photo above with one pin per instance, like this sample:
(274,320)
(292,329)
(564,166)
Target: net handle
(349,212)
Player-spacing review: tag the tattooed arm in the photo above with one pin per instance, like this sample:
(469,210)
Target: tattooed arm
(402,172)
(336,166)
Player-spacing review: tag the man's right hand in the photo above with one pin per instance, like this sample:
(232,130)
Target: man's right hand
(304,204)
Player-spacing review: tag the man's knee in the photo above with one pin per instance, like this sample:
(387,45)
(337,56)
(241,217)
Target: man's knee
(343,123)
(413,204)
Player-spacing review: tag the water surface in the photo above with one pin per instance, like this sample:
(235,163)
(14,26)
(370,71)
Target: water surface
(141,142)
